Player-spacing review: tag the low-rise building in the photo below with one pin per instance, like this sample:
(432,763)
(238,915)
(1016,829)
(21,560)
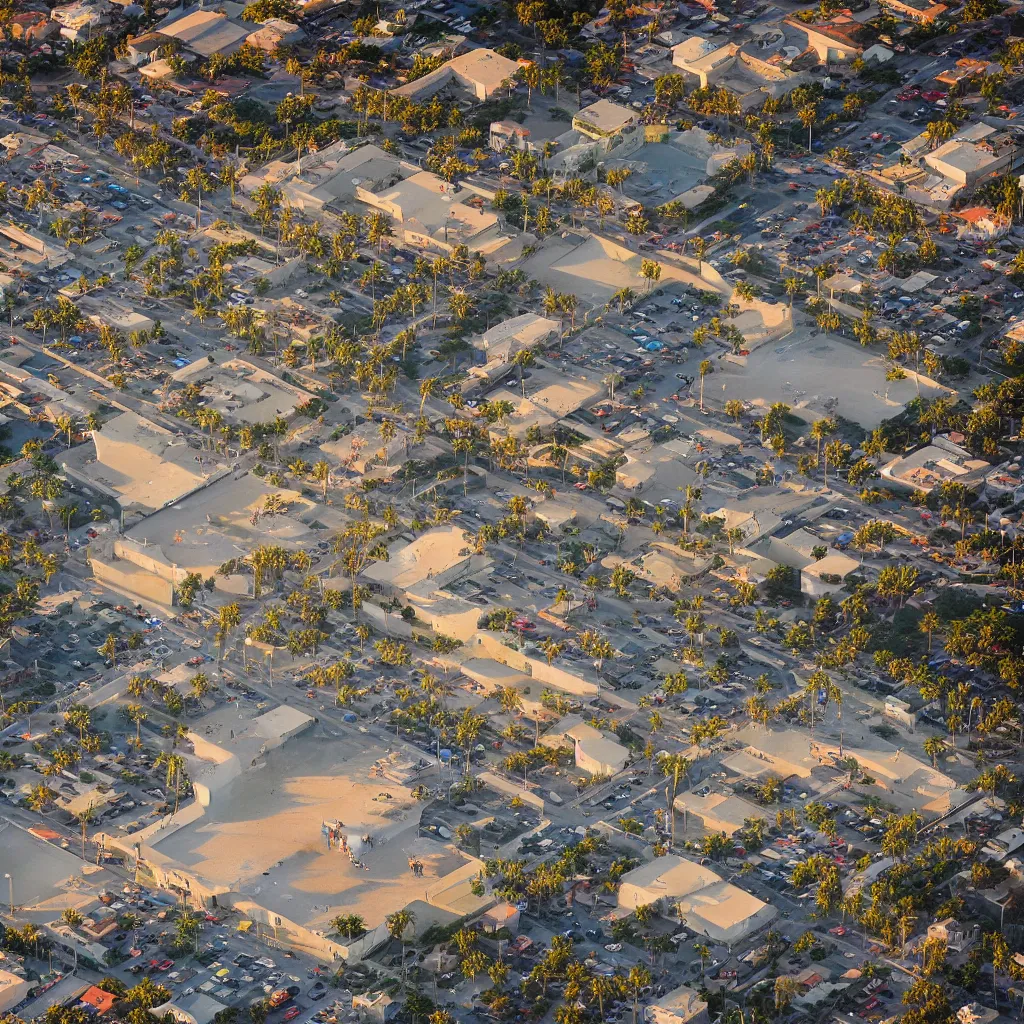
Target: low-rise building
(935,464)
(526,331)
(481,73)
(430,213)
(204,32)
(826,575)
(981,224)
(837,40)
(140,464)
(603,119)
(327,180)
(923,12)
(13,989)
(374,1007)
(684,890)
(275,32)
(595,752)
(751,80)
(935,175)
(718,812)
(680,1006)
(954,934)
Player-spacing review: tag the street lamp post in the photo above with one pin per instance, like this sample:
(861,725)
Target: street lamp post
(10,890)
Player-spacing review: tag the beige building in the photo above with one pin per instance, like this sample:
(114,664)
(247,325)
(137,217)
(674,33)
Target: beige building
(934,177)
(718,812)
(140,464)
(430,213)
(504,340)
(595,752)
(934,464)
(327,179)
(685,891)
(836,41)
(205,32)
(13,989)
(750,79)
(680,1006)
(481,73)
(207,530)
(826,576)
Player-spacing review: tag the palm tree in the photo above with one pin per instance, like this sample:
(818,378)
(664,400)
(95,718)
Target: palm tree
(67,424)
(673,766)
(349,925)
(704,369)
(524,358)
(176,768)
(935,747)
(639,977)
(398,924)
(84,818)
(137,714)
(601,988)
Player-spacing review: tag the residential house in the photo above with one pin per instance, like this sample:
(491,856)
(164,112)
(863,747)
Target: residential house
(32,27)
(374,1007)
(145,48)
(595,752)
(982,225)
(275,32)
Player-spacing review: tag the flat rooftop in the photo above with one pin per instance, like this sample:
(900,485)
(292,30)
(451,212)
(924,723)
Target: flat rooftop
(242,392)
(269,818)
(214,525)
(140,463)
(45,876)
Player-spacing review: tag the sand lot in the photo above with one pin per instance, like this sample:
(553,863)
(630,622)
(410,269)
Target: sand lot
(262,836)
(806,370)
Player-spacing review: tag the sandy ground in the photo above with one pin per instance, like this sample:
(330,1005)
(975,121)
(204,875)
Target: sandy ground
(262,836)
(805,371)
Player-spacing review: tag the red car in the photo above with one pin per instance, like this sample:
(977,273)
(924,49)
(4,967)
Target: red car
(932,95)
(291,1013)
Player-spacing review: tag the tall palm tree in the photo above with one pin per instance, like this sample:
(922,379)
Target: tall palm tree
(176,768)
(398,924)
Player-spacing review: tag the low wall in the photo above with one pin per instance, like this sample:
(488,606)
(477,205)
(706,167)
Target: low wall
(510,788)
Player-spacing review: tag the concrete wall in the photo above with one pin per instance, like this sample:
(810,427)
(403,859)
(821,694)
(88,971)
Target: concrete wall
(133,582)
(509,788)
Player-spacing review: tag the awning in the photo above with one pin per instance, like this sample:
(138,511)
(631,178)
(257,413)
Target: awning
(244,926)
